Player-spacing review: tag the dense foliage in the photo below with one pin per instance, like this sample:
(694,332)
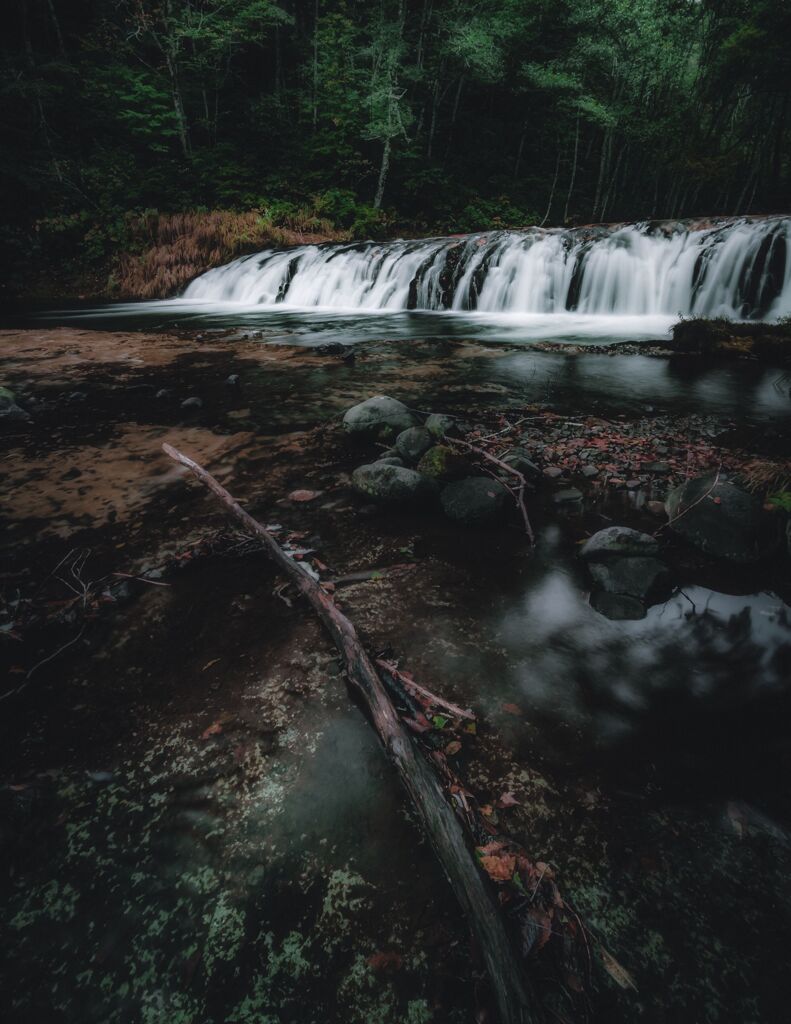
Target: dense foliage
(390,115)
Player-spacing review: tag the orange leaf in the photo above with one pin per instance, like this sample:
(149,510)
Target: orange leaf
(453,748)
(499,869)
(213,730)
(512,709)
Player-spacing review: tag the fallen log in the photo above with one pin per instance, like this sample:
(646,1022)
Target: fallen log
(514,1003)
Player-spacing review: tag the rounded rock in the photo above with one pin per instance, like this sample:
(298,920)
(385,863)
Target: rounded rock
(387,483)
(618,542)
(380,417)
(478,499)
(721,519)
(412,443)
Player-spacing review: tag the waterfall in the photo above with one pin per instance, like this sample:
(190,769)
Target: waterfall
(739,268)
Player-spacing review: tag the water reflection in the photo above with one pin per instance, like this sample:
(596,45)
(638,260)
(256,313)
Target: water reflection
(690,693)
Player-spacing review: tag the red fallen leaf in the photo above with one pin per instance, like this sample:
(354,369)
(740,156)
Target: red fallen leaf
(490,848)
(512,709)
(717,501)
(499,869)
(303,495)
(507,800)
(453,748)
(386,962)
(213,730)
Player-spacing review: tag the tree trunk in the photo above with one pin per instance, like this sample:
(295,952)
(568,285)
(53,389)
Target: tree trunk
(573,170)
(438,819)
(316,65)
(383,169)
(552,190)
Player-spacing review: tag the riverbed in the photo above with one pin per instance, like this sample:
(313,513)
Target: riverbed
(198,823)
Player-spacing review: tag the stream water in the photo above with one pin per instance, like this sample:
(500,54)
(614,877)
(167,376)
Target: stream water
(197,821)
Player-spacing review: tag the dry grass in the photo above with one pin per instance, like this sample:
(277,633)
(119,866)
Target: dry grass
(766,475)
(179,246)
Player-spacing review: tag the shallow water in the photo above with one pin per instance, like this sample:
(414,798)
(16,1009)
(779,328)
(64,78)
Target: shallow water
(312,326)
(163,875)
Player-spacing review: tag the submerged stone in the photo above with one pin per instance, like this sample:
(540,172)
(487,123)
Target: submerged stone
(617,606)
(380,417)
(478,499)
(616,542)
(635,577)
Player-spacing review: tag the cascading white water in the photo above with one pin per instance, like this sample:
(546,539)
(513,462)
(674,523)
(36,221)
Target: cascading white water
(737,268)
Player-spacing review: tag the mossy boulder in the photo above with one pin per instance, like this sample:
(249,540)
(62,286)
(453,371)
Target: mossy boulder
(442,463)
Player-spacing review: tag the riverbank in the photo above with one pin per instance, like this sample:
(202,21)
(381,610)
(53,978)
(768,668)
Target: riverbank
(187,785)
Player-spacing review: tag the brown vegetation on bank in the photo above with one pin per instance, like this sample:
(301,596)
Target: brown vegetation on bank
(179,246)
(767,342)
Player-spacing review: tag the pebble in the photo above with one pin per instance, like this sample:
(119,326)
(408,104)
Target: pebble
(553,472)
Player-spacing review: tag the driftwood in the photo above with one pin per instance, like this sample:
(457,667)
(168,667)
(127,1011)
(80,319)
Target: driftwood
(439,821)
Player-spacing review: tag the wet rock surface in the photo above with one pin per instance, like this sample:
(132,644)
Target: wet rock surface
(379,417)
(719,517)
(385,482)
(474,500)
(411,444)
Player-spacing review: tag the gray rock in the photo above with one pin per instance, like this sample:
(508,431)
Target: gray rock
(412,443)
(438,425)
(617,542)
(567,496)
(378,418)
(519,459)
(722,520)
(232,379)
(192,403)
(478,499)
(656,467)
(617,606)
(636,577)
(553,472)
(589,471)
(387,483)
(389,460)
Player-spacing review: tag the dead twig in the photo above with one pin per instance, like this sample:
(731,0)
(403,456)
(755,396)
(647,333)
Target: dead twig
(520,495)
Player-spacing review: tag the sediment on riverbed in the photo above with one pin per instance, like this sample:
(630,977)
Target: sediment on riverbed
(248,769)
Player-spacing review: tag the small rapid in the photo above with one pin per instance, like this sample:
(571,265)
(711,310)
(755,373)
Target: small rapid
(738,268)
